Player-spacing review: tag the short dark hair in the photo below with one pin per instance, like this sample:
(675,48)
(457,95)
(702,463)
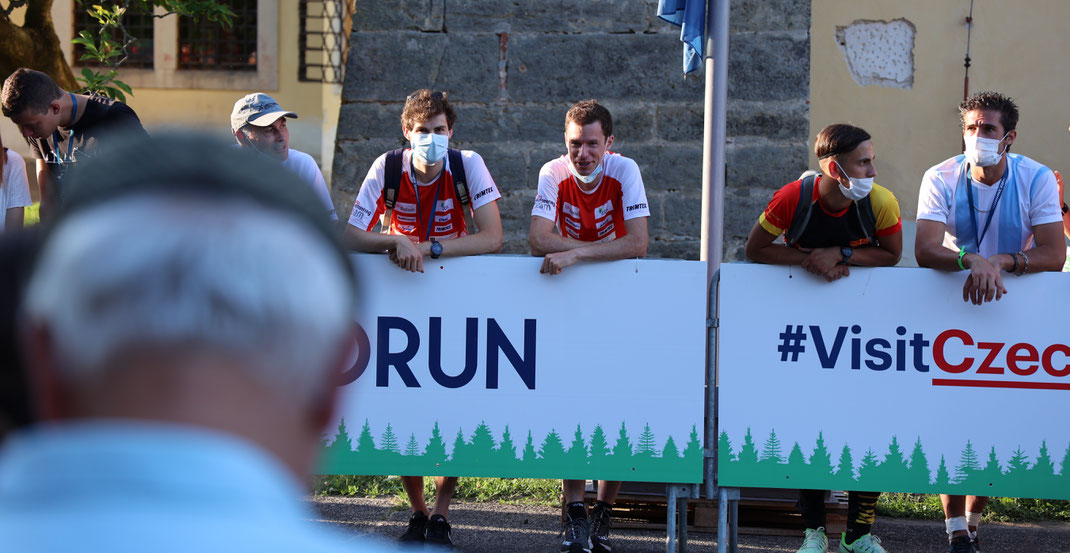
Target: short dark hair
(838,139)
(991,101)
(425,104)
(26,89)
(589,111)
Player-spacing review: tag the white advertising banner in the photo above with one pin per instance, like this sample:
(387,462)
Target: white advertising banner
(887,381)
(482,366)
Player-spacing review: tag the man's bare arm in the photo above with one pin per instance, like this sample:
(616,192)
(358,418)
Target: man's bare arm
(929,247)
(885,254)
(402,251)
(761,249)
(1050,251)
(44,188)
(13,219)
(634,244)
(543,240)
(487,240)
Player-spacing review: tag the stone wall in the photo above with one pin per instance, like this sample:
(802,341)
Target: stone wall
(512,68)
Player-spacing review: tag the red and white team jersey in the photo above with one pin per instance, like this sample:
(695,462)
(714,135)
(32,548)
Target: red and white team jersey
(411,216)
(598,215)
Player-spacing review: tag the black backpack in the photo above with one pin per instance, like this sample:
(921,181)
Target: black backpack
(806,205)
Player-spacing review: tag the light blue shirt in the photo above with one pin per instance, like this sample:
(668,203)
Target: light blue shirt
(111,486)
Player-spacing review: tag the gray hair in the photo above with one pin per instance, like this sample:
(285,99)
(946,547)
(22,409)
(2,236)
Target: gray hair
(195,273)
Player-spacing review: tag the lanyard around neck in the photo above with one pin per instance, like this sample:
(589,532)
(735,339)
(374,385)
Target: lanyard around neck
(991,209)
(434,205)
(70,137)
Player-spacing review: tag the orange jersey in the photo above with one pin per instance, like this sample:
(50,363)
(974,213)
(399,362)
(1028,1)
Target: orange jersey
(413,215)
(598,215)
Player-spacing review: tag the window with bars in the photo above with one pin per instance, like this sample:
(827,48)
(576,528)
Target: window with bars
(206,45)
(139,25)
(323,40)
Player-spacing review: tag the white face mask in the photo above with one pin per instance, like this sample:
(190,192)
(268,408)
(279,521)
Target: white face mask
(860,188)
(983,152)
(585,179)
(429,148)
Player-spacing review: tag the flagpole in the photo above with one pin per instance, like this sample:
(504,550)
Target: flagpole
(713,136)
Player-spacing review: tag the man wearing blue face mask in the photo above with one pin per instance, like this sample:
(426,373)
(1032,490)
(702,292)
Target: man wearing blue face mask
(421,196)
(987,211)
(829,221)
(833,219)
(426,197)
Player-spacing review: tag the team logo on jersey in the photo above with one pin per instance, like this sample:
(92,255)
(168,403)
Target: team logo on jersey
(406,229)
(603,209)
(635,207)
(572,223)
(612,236)
(402,207)
(486,191)
(404,218)
(361,209)
(442,218)
(608,229)
(443,228)
(542,204)
(444,205)
(603,222)
(572,233)
(570,209)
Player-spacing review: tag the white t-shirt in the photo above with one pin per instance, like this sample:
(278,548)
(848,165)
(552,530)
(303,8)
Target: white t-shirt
(305,167)
(597,215)
(1029,198)
(14,188)
(368,205)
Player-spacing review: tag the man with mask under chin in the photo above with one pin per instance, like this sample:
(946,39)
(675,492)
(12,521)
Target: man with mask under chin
(830,221)
(259,125)
(987,211)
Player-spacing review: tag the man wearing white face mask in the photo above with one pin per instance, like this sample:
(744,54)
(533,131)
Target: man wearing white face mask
(835,219)
(829,221)
(984,212)
(422,195)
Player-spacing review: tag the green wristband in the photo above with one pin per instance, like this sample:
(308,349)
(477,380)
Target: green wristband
(962,253)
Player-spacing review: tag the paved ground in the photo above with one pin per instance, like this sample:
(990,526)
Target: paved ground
(495,527)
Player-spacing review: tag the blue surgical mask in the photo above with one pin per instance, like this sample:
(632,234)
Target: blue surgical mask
(589,178)
(430,148)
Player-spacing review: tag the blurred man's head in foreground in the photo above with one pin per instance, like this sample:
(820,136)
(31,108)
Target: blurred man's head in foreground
(186,282)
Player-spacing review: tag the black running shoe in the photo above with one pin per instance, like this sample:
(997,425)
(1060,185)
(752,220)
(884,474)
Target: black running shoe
(438,532)
(577,535)
(415,531)
(976,542)
(600,526)
(961,544)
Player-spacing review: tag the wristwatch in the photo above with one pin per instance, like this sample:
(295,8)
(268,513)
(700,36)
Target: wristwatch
(846,252)
(436,249)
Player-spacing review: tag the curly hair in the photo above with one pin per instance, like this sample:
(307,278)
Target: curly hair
(425,104)
(991,101)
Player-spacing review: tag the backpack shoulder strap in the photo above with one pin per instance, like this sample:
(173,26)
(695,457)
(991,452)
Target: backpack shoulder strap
(802,211)
(867,218)
(392,177)
(460,180)
(460,187)
(391,185)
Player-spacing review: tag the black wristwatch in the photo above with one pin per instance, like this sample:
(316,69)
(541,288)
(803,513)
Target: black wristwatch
(436,249)
(846,252)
